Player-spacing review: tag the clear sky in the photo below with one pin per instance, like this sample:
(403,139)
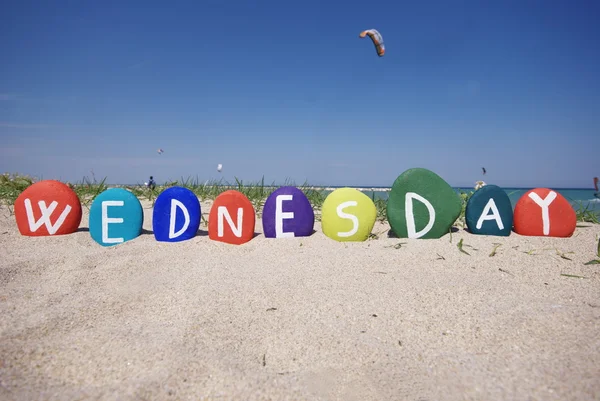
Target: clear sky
(288,90)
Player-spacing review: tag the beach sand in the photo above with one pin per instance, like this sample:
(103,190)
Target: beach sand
(298,318)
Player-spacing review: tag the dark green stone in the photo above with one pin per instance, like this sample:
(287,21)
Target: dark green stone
(476,206)
(445,202)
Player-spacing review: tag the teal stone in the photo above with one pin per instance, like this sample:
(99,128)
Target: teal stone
(116,216)
(489,212)
(422,205)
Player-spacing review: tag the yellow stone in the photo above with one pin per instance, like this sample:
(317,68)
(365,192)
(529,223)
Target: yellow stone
(348,215)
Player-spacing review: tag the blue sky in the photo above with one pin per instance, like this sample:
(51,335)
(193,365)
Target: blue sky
(288,90)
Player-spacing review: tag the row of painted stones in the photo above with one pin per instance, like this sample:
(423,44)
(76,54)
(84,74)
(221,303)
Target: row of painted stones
(420,205)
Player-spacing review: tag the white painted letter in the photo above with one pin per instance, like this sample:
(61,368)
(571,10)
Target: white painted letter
(107,220)
(237,231)
(410,217)
(544,204)
(45,219)
(494,216)
(280,215)
(348,216)
(174,205)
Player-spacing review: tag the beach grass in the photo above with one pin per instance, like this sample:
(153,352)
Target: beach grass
(597,260)
(585,214)
(12,184)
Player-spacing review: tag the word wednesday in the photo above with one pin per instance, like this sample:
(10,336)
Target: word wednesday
(420,205)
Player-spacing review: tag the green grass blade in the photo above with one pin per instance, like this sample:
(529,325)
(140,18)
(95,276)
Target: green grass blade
(460,247)
(494,250)
(571,275)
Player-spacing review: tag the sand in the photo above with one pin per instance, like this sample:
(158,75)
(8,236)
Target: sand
(298,318)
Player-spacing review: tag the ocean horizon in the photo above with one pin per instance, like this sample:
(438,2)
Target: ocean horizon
(580,198)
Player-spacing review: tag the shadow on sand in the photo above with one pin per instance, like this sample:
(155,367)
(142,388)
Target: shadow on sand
(392,234)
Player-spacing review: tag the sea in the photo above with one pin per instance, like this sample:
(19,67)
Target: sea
(580,198)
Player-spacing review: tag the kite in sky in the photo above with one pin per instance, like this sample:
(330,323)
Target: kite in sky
(377,40)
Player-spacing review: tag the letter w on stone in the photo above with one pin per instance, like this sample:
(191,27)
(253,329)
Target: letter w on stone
(46,214)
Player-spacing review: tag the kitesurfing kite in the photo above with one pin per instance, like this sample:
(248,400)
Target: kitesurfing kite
(219,167)
(377,40)
(483,168)
(159,151)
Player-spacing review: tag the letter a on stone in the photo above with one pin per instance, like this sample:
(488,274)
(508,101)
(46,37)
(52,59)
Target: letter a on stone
(176,215)
(491,205)
(489,212)
(47,208)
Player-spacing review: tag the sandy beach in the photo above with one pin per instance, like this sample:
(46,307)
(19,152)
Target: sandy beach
(298,318)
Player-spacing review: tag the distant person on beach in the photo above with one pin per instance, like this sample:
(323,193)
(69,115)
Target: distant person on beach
(151,183)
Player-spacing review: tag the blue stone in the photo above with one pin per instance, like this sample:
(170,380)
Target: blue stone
(176,215)
(287,213)
(489,212)
(116,216)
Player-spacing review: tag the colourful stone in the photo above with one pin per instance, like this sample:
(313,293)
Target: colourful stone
(287,213)
(544,212)
(348,215)
(489,212)
(231,218)
(47,208)
(116,216)
(176,215)
(422,205)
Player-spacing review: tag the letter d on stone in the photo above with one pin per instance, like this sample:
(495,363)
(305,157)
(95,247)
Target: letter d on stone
(174,205)
(410,217)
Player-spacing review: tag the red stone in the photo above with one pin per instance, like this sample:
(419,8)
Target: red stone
(58,214)
(529,218)
(238,231)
